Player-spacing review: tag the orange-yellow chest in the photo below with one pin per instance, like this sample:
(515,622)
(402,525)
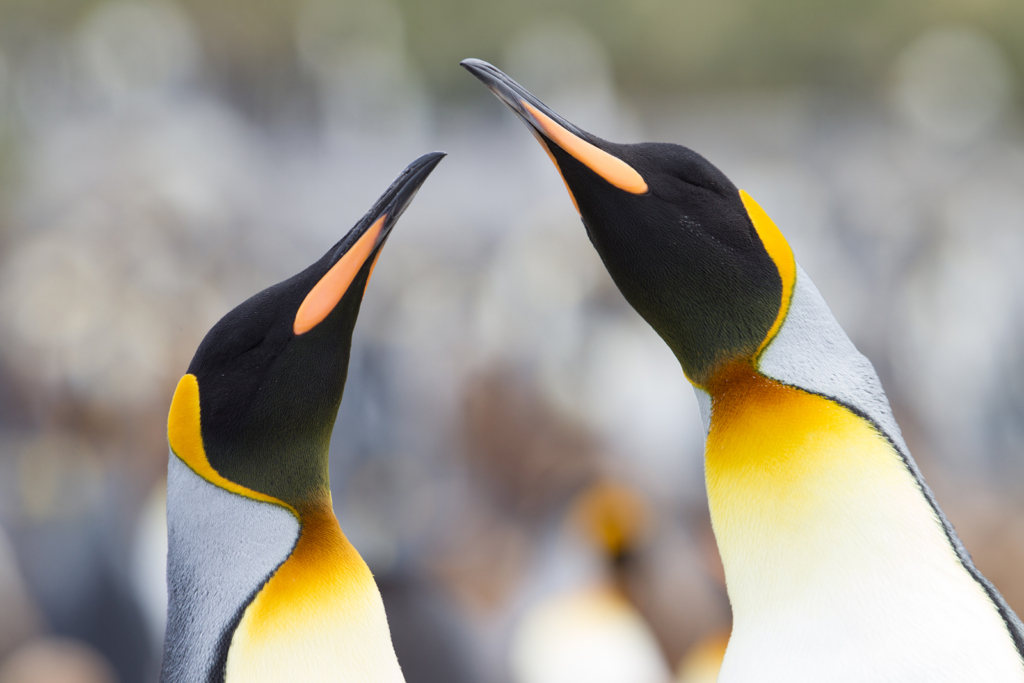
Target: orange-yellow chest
(318,618)
(837,566)
(803,490)
(771,450)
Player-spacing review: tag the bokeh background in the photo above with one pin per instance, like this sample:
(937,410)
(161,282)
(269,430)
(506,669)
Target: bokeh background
(161,161)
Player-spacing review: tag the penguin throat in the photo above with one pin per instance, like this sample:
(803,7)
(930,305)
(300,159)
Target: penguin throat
(829,546)
(185,437)
(319,617)
(301,472)
(787,473)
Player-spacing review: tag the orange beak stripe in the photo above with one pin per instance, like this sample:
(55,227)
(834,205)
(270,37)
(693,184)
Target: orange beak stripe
(326,294)
(372,266)
(611,168)
(547,150)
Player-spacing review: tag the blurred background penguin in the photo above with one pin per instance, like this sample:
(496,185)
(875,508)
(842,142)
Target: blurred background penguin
(590,629)
(162,159)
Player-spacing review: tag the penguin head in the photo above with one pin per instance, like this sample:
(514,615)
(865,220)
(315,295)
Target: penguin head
(695,256)
(259,402)
(614,518)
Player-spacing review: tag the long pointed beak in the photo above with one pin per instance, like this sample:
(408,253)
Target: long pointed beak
(363,243)
(550,128)
(517,97)
(391,205)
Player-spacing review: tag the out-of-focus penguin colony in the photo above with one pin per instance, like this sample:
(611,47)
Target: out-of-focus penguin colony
(160,162)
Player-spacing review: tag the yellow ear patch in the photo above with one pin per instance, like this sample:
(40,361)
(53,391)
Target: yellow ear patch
(326,294)
(184,434)
(611,168)
(781,254)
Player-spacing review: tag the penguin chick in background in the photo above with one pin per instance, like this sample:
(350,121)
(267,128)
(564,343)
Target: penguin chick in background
(593,632)
(263,585)
(839,564)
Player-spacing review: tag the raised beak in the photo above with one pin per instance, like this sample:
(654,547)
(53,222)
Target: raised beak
(516,96)
(391,205)
(362,243)
(551,129)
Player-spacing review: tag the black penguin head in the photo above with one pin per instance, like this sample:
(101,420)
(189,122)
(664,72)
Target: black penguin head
(270,373)
(690,252)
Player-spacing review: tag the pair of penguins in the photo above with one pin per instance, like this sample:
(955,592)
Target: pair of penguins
(839,564)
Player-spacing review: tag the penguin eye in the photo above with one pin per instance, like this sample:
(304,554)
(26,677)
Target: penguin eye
(678,185)
(694,174)
(699,181)
(245,344)
(255,344)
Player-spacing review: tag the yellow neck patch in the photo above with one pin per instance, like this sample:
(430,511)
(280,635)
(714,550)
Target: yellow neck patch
(795,481)
(319,618)
(184,434)
(771,448)
(837,567)
(781,254)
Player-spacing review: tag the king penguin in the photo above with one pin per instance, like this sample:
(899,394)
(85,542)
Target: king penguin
(263,585)
(839,564)
(592,631)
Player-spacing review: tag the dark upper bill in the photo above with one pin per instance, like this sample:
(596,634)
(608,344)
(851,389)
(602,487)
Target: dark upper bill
(550,128)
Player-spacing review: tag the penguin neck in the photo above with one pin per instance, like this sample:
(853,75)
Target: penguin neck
(322,574)
(795,481)
(222,546)
(830,546)
(318,617)
(261,589)
(264,592)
